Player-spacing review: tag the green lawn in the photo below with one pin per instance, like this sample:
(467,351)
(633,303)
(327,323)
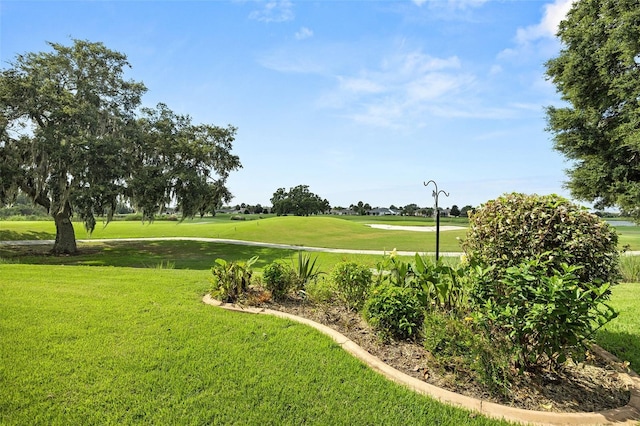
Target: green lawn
(172,254)
(112,345)
(622,335)
(317,231)
(113,336)
(349,232)
(629,236)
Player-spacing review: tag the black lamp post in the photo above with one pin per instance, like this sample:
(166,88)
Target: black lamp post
(436,193)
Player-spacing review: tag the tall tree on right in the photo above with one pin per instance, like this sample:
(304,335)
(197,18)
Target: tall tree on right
(597,73)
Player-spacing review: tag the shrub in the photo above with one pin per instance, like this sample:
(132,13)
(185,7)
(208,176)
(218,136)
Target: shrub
(546,317)
(134,216)
(394,311)
(278,279)
(437,284)
(231,279)
(320,290)
(517,227)
(492,362)
(446,334)
(352,283)
(462,342)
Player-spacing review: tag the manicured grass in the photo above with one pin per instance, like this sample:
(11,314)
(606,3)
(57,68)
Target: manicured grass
(629,236)
(348,232)
(105,345)
(172,254)
(317,231)
(112,344)
(622,335)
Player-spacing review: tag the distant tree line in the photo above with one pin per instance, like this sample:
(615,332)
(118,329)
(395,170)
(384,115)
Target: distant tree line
(363,209)
(298,201)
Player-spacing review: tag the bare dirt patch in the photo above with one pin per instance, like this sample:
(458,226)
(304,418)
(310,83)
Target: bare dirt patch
(584,387)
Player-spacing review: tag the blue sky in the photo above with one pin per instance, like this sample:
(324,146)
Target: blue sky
(360,100)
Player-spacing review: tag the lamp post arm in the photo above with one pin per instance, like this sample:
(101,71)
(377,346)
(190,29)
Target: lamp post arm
(435,195)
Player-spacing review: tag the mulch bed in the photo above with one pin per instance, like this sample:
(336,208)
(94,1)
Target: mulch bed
(591,386)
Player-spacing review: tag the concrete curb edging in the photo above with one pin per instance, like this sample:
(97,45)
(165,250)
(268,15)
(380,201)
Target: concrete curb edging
(629,414)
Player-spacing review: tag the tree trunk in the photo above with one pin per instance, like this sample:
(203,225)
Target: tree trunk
(65,235)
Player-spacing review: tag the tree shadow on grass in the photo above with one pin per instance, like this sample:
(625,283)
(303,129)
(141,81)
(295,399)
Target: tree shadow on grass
(9,235)
(196,255)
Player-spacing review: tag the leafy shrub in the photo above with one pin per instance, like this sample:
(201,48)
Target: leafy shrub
(231,279)
(437,284)
(278,279)
(457,342)
(492,361)
(394,311)
(446,334)
(517,227)
(546,317)
(320,290)
(352,283)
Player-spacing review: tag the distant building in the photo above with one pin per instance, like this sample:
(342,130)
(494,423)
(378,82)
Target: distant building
(343,212)
(382,211)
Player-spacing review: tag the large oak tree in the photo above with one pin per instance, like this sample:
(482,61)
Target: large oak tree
(298,201)
(74,138)
(598,74)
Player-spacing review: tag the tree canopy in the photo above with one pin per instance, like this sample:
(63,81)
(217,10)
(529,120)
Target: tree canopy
(74,138)
(298,201)
(598,74)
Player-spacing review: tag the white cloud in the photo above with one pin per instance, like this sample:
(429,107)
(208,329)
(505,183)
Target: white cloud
(404,89)
(303,33)
(359,85)
(533,107)
(537,43)
(548,26)
(418,62)
(435,85)
(495,70)
(274,11)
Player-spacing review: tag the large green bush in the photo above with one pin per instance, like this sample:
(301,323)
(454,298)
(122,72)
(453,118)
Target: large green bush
(546,317)
(518,227)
